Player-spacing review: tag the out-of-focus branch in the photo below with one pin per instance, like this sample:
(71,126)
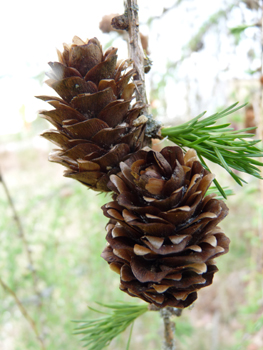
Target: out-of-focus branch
(165,10)
(24,313)
(21,234)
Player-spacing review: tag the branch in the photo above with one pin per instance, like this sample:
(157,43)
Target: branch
(136,50)
(169,328)
(165,10)
(24,313)
(129,22)
(21,234)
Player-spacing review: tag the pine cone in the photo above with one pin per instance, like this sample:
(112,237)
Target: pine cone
(162,232)
(96,125)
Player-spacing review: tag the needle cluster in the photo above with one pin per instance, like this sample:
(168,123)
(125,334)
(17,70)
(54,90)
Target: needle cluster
(230,148)
(99,332)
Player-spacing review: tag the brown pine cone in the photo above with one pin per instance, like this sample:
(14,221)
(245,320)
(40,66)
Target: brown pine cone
(96,124)
(162,234)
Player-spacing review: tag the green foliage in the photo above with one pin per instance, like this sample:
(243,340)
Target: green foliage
(228,192)
(252,71)
(183,331)
(219,144)
(98,333)
(240,29)
(251,317)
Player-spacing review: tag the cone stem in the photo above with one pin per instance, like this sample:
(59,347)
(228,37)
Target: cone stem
(135,48)
(169,328)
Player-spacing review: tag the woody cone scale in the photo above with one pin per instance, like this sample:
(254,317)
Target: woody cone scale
(162,234)
(96,126)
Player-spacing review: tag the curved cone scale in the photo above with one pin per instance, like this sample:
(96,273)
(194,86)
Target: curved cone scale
(59,71)
(164,226)
(106,83)
(70,87)
(93,113)
(113,157)
(128,91)
(58,116)
(114,115)
(104,70)
(85,130)
(122,83)
(92,104)
(85,57)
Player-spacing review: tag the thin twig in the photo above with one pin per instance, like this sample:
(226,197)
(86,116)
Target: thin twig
(137,56)
(169,328)
(165,10)
(24,313)
(21,234)
(135,49)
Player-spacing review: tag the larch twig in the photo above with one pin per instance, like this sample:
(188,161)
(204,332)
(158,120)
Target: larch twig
(135,49)
(21,234)
(169,328)
(24,313)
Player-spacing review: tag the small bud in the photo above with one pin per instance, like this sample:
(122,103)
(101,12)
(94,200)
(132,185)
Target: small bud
(120,22)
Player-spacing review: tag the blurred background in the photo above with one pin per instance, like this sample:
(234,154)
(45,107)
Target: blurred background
(205,55)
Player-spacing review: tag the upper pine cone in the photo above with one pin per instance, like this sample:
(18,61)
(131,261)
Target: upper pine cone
(95,123)
(162,234)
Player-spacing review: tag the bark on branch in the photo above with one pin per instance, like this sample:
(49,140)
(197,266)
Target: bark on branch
(169,328)
(135,48)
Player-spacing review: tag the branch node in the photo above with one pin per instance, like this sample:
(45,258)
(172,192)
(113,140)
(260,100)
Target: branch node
(152,307)
(120,22)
